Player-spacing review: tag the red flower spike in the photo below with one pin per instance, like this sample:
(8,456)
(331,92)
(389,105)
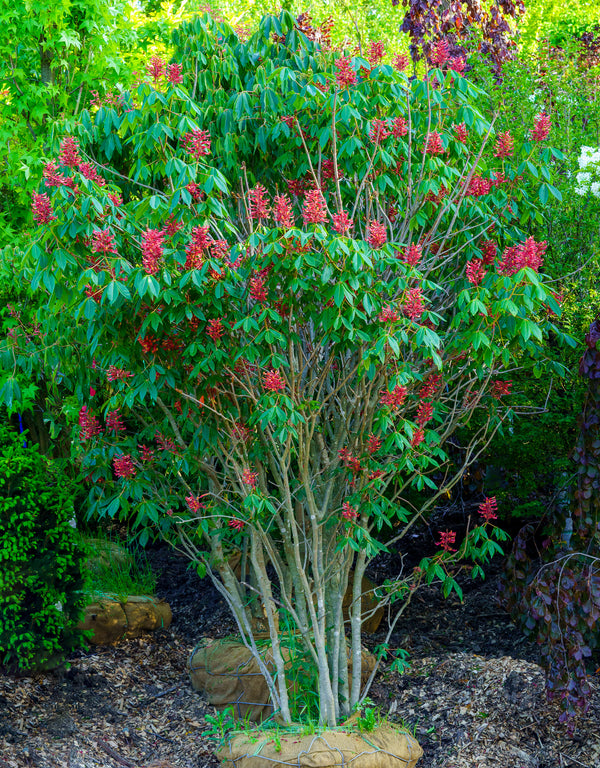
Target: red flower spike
(250,478)
(123,466)
(174,75)
(475,271)
(461,132)
(504,145)
(413,306)
(417,438)
(54,179)
(197,143)
(400,62)
(257,289)
(488,509)
(89,424)
(395,398)
(152,250)
(345,77)
(376,52)
(373,444)
(313,209)
(399,127)
(541,127)
(447,539)
(42,210)
(489,250)
(69,152)
(215,329)
(156,68)
(501,389)
(114,422)
(379,131)
(433,144)
(424,413)
(103,241)
(282,211)
(89,172)
(194,504)
(342,223)
(348,511)
(236,524)
(259,204)
(272,381)
(439,53)
(412,256)
(376,234)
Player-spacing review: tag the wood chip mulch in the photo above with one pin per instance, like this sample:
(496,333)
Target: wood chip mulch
(474,695)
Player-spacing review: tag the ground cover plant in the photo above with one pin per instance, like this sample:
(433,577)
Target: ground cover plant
(283,347)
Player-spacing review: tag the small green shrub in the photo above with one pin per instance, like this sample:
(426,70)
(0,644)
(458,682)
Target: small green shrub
(40,564)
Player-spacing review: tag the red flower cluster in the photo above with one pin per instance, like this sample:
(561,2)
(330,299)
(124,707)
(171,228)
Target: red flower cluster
(114,422)
(431,386)
(348,460)
(89,172)
(399,127)
(501,389)
(149,344)
(259,205)
(103,241)
(439,53)
(342,223)
(379,131)
(250,478)
(313,209)
(174,75)
(504,145)
(376,52)
(236,524)
(272,381)
(123,466)
(156,68)
(541,127)
(461,131)
(197,143)
(240,432)
(447,539)
(194,504)
(424,412)
(88,424)
(257,289)
(458,64)
(433,143)
(42,210)
(54,179)
(376,234)
(69,152)
(373,444)
(400,62)
(489,250)
(152,250)
(528,254)
(115,199)
(412,256)
(348,511)
(195,250)
(479,186)
(345,77)
(147,454)
(395,398)
(413,306)
(475,271)
(417,438)
(282,211)
(388,315)
(164,443)
(215,329)
(195,192)
(488,509)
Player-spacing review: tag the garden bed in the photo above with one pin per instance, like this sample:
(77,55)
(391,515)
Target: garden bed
(474,694)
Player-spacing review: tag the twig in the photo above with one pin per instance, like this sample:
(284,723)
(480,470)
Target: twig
(157,696)
(573,760)
(115,755)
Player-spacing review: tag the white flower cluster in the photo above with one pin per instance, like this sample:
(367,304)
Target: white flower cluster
(588,178)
